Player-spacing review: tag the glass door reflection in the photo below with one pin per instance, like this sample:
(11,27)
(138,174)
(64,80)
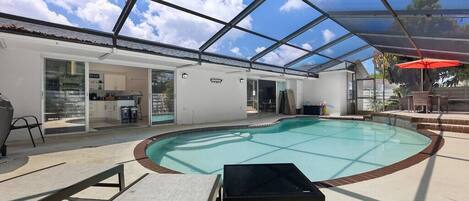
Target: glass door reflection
(64,101)
(252,97)
(162,97)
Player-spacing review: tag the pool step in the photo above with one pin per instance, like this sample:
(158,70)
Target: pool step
(444,127)
(347,117)
(441,121)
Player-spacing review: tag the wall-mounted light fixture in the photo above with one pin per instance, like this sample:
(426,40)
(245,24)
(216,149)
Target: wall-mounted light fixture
(241,80)
(184,75)
(216,80)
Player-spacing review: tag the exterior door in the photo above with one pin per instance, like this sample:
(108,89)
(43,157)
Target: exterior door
(365,95)
(162,97)
(252,97)
(64,96)
(267,96)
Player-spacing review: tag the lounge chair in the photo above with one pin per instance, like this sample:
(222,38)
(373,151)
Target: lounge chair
(172,187)
(59,182)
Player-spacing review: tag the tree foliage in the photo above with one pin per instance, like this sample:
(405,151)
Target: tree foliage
(409,79)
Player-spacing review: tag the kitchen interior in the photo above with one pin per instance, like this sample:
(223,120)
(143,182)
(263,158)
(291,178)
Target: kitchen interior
(118,96)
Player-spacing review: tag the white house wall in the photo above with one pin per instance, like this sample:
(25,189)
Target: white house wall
(197,99)
(20,81)
(299,94)
(329,87)
(200,101)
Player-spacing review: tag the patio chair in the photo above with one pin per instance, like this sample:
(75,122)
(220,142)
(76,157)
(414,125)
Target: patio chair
(421,98)
(25,122)
(405,103)
(174,187)
(444,106)
(60,181)
(6,114)
(27,125)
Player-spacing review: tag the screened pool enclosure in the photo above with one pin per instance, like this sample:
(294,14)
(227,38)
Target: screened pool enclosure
(289,36)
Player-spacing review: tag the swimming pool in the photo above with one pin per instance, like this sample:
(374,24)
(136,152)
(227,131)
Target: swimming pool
(321,149)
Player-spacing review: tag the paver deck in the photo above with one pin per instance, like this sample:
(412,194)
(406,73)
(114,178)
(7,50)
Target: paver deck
(440,177)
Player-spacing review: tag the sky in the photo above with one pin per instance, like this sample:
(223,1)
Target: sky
(152,21)
(369,66)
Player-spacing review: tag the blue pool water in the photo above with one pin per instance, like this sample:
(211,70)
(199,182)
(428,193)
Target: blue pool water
(321,149)
(162,118)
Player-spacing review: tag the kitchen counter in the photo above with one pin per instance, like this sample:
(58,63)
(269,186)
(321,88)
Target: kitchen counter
(108,109)
(117,99)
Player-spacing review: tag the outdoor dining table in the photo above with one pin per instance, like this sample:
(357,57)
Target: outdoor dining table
(410,103)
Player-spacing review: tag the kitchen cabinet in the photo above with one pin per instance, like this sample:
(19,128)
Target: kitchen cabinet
(112,109)
(109,110)
(97,110)
(114,82)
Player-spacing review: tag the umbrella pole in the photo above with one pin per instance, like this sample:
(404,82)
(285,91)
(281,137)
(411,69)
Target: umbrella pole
(421,79)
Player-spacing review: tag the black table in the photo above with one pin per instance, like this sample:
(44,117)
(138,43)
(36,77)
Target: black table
(312,109)
(273,182)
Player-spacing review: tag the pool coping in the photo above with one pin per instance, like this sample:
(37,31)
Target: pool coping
(437,141)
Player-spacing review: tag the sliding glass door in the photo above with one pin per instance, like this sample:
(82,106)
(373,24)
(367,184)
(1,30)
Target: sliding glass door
(252,97)
(267,96)
(162,97)
(64,97)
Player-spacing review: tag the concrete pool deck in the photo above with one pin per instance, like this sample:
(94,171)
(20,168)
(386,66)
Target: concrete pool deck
(440,177)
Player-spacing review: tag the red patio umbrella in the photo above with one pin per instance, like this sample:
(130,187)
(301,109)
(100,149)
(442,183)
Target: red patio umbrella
(428,64)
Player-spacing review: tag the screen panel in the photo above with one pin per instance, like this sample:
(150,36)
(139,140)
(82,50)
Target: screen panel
(399,41)
(319,35)
(410,5)
(282,55)
(310,62)
(378,25)
(444,27)
(445,55)
(96,15)
(222,10)
(453,45)
(349,5)
(344,47)
(359,56)
(325,66)
(156,22)
(279,18)
(239,44)
(406,52)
